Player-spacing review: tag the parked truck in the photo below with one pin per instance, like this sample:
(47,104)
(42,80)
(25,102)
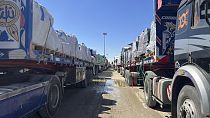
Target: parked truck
(101,63)
(36,61)
(174,66)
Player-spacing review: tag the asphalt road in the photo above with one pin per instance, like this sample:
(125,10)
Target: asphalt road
(106,97)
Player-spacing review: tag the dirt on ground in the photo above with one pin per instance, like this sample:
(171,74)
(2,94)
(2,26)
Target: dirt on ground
(108,96)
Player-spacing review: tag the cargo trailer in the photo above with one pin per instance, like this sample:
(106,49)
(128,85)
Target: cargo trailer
(37,61)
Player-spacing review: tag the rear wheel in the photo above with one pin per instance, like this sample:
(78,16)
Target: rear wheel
(188,105)
(54,97)
(84,83)
(148,90)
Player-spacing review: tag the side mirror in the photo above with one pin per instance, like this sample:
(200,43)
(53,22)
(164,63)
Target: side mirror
(207,11)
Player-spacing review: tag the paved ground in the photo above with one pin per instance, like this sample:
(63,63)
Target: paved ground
(107,97)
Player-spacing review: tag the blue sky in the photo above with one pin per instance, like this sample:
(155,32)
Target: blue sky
(123,20)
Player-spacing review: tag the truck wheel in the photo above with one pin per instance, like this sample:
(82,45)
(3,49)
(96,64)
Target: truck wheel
(54,97)
(141,82)
(148,90)
(188,104)
(84,83)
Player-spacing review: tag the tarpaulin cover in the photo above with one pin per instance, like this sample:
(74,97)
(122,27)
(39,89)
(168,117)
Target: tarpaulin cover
(32,32)
(151,47)
(135,45)
(78,51)
(93,52)
(93,59)
(128,55)
(135,49)
(42,22)
(143,41)
(73,42)
(82,52)
(65,44)
(89,55)
(53,42)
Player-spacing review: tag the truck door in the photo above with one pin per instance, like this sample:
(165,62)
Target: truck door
(183,31)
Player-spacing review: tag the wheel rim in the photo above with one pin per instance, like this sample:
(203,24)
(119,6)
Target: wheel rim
(188,109)
(54,96)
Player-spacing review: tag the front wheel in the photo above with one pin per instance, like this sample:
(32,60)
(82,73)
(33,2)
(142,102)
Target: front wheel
(188,105)
(54,98)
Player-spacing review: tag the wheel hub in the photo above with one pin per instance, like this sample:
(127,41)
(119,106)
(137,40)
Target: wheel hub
(188,110)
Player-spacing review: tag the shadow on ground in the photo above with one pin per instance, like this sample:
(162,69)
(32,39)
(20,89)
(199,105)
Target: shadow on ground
(87,102)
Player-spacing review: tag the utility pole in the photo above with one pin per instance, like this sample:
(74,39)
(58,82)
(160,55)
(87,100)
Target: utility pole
(104,34)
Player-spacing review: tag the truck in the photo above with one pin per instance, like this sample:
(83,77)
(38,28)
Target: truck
(117,63)
(102,63)
(36,61)
(174,66)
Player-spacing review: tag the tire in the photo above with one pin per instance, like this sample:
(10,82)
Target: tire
(188,103)
(148,90)
(141,82)
(84,83)
(89,76)
(54,98)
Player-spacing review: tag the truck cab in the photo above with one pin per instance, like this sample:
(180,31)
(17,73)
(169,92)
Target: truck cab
(192,33)
(190,86)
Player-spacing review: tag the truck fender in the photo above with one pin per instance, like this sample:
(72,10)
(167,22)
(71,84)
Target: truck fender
(197,77)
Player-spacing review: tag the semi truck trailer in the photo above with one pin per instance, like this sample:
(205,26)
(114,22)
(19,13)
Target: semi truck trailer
(174,66)
(36,61)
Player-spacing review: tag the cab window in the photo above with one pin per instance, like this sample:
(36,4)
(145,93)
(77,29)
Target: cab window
(199,20)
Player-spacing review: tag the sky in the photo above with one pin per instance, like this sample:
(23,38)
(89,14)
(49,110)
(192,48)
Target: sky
(122,20)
